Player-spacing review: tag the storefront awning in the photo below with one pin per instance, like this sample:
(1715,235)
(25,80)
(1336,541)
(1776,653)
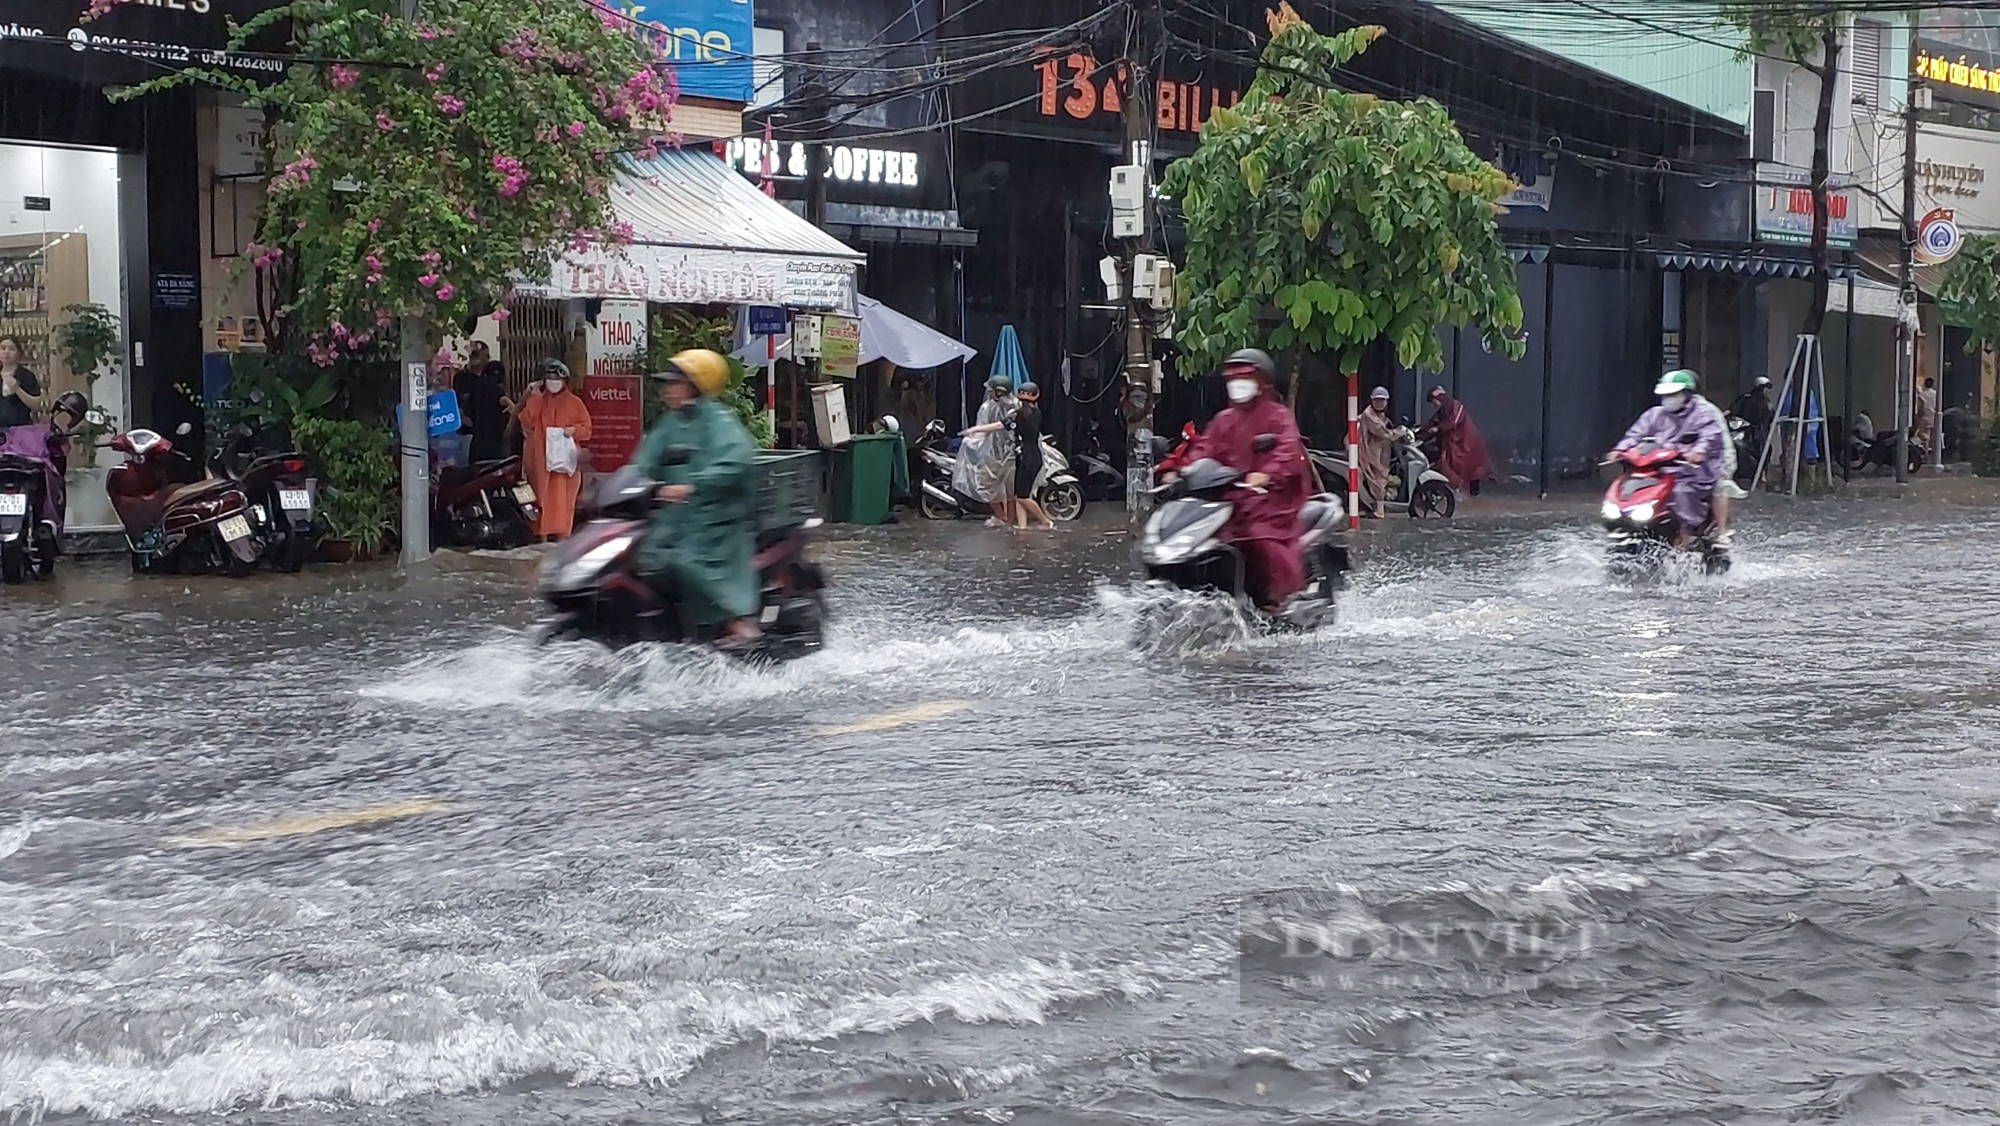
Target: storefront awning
(885,335)
(702,234)
(1725,262)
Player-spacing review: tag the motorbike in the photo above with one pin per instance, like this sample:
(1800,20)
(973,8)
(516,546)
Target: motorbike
(592,583)
(1060,494)
(194,528)
(1181,546)
(1867,448)
(1172,457)
(1744,436)
(32,461)
(1431,498)
(484,505)
(1641,525)
(281,496)
(1101,480)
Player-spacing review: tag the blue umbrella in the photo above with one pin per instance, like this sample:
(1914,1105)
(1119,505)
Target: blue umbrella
(1007,358)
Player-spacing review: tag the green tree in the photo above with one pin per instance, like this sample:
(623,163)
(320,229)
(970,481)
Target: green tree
(425,164)
(1805,33)
(1971,287)
(1325,220)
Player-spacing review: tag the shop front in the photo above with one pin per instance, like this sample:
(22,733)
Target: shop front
(706,245)
(101,203)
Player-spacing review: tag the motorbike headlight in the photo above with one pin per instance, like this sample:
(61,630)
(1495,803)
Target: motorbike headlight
(1642,513)
(578,572)
(1184,541)
(1611,510)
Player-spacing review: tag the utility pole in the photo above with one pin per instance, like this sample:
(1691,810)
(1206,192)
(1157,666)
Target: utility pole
(413,438)
(1140,387)
(1906,295)
(815,105)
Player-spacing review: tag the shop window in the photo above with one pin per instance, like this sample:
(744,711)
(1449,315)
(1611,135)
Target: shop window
(59,246)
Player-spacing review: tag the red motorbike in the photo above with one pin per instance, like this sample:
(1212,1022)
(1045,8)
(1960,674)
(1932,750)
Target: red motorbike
(1642,527)
(1173,459)
(196,528)
(281,496)
(485,504)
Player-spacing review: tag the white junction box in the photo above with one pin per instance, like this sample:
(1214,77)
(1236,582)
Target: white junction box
(830,413)
(805,337)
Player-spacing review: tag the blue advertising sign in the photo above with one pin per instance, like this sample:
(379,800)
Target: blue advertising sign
(768,320)
(443,411)
(707,41)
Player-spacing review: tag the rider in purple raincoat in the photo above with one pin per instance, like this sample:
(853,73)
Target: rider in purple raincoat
(1679,424)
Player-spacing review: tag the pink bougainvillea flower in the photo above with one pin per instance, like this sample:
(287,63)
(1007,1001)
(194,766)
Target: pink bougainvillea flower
(374,263)
(450,106)
(428,280)
(342,77)
(374,225)
(384,122)
(430,258)
(576,129)
(434,73)
(502,313)
(445,291)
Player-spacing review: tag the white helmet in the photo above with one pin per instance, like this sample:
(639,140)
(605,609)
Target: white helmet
(890,425)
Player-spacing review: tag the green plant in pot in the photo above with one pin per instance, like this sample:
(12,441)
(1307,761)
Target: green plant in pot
(357,482)
(89,343)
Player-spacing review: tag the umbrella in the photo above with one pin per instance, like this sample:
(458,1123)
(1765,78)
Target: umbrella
(1007,358)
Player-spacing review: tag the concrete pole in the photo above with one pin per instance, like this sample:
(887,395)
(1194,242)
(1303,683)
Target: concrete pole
(1139,384)
(413,440)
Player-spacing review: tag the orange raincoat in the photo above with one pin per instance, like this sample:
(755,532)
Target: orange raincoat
(555,492)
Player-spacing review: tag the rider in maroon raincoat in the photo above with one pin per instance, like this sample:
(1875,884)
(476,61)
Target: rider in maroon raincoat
(1264,525)
(1462,456)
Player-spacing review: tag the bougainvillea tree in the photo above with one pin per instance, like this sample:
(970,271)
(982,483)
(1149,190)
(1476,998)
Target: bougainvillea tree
(1323,220)
(424,163)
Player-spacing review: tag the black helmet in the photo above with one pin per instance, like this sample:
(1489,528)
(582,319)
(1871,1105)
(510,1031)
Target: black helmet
(73,404)
(1254,358)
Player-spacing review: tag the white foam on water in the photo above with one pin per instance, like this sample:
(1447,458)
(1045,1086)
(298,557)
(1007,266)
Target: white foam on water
(609,1038)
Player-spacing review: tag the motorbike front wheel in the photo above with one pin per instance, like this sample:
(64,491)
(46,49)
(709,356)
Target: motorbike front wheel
(14,561)
(1433,500)
(935,509)
(46,549)
(1063,502)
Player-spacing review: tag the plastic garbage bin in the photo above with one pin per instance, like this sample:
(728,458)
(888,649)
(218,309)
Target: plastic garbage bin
(861,471)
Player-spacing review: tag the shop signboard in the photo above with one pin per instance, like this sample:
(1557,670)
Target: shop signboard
(905,171)
(681,276)
(1783,204)
(176,289)
(441,411)
(1951,172)
(138,40)
(709,43)
(1958,54)
(613,391)
(767,320)
(1534,175)
(839,346)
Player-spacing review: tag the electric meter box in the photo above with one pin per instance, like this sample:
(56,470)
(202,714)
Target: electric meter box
(1128,188)
(830,414)
(1163,286)
(805,337)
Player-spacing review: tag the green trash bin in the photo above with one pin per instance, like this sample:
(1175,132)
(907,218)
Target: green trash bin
(861,471)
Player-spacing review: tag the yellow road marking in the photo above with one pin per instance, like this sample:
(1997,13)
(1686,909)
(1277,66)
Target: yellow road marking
(918,714)
(301,824)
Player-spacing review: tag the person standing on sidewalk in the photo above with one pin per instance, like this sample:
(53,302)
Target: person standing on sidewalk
(1378,437)
(1925,430)
(551,406)
(1462,456)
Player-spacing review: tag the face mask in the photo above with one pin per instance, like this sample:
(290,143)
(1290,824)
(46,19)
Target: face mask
(1241,390)
(552,385)
(1675,401)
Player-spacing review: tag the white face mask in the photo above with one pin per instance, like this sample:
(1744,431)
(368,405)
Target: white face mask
(552,385)
(1241,390)
(1675,401)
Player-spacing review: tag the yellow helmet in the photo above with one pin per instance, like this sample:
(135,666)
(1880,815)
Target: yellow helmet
(707,370)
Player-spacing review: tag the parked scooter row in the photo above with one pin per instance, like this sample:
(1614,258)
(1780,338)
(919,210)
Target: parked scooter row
(1061,495)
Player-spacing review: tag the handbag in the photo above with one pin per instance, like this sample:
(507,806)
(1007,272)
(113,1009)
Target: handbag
(561,451)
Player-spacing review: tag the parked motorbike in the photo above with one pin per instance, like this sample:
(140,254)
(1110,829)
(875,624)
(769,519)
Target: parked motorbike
(1060,494)
(1182,548)
(196,528)
(592,583)
(281,496)
(1172,457)
(485,504)
(1868,448)
(33,459)
(1431,498)
(1640,522)
(1744,436)
(1101,480)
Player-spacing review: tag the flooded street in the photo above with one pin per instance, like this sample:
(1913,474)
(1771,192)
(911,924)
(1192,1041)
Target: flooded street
(347,849)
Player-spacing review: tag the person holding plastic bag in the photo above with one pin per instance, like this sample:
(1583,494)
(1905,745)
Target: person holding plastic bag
(554,425)
(985,470)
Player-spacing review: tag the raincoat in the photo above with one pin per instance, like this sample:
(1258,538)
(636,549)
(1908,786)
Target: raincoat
(555,492)
(1264,525)
(40,440)
(1725,479)
(1462,456)
(1377,439)
(700,549)
(985,469)
(1690,429)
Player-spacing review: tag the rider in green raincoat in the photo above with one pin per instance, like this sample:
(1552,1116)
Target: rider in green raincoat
(699,547)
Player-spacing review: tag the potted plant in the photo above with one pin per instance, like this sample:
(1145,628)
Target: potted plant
(357,484)
(89,343)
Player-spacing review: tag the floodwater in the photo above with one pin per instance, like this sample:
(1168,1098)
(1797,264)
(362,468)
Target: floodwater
(346,849)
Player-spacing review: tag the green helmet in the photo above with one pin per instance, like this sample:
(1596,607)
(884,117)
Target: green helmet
(1680,382)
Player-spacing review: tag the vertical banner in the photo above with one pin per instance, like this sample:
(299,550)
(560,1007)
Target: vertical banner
(614,383)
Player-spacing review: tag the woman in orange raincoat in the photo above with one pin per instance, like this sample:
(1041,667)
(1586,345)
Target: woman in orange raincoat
(551,405)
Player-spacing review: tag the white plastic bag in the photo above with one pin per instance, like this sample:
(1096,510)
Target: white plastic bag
(561,450)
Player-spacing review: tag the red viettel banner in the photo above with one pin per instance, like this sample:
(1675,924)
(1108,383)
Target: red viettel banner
(617,419)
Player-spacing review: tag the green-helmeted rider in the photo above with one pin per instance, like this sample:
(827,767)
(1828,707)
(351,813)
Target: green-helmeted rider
(699,548)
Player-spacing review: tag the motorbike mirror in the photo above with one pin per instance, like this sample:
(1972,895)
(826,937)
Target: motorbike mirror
(1264,443)
(184,429)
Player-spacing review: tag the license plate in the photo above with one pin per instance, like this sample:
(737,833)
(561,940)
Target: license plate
(295,500)
(13,504)
(524,493)
(234,528)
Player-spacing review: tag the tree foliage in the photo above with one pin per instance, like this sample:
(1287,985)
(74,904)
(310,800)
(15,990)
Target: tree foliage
(1971,287)
(1327,220)
(442,157)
